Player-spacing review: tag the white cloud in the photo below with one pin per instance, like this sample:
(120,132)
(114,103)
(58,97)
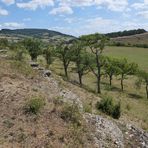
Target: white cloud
(12,25)
(97,24)
(142,8)
(100,25)
(139,6)
(76,3)
(8,2)
(146,1)
(3,12)
(34,4)
(117,5)
(65,6)
(69,20)
(143,14)
(61,10)
(27,19)
(114,5)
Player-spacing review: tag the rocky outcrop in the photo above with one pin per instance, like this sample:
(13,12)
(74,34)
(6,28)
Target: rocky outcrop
(70,97)
(137,136)
(105,132)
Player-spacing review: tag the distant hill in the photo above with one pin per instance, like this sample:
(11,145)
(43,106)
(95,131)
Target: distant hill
(138,39)
(44,34)
(125,33)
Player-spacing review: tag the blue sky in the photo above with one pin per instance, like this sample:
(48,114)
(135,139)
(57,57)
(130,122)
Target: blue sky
(75,17)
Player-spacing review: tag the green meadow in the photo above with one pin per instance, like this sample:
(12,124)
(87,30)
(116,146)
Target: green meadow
(133,54)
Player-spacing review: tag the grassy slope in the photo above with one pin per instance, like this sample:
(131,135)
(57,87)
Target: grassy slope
(134,39)
(18,84)
(44,34)
(133,54)
(134,103)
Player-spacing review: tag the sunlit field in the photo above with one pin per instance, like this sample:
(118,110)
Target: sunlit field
(133,54)
(133,100)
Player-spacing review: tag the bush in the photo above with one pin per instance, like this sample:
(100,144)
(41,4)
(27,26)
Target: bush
(107,106)
(116,111)
(70,113)
(34,105)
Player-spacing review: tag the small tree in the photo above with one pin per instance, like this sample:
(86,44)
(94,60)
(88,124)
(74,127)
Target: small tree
(64,53)
(143,78)
(48,55)
(18,51)
(125,69)
(33,46)
(81,59)
(3,43)
(111,68)
(96,43)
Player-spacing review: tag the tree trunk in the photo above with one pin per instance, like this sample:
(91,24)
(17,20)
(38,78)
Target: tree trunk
(65,69)
(80,78)
(122,82)
(98,85)
(147,91)
(98,73)
(110,80)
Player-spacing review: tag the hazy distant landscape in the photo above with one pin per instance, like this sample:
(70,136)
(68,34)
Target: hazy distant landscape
(73,59)
(73,74)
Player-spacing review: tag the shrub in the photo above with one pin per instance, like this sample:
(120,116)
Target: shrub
(116,111)
(34,105)
(70,113)
(107,106)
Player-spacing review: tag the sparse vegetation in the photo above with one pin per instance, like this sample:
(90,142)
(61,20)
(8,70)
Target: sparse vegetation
(96,43)
(107,106)
(34,105)
(48,54)
(3,43)
(71,113)
(22,67)
(64,53)
(33,46)
(143,78)
(81,59)
(125,69)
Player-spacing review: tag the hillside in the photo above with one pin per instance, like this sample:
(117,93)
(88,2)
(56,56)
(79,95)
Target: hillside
(125,33)
(44,34)
(133,39)
(68,117)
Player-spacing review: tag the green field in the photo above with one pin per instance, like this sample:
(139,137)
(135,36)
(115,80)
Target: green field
(133,54)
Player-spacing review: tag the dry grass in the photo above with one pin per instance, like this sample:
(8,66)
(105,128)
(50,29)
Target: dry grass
(45,129)
(133,102)
(134,39)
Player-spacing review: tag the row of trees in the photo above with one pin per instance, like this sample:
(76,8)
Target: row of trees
(125,33)
(86,54)
(122,44)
